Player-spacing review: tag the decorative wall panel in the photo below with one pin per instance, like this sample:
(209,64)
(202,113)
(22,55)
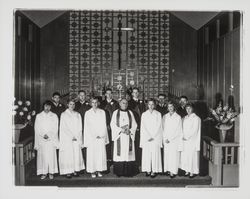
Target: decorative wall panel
(94,58)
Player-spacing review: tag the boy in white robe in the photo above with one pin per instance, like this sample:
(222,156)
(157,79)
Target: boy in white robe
(151,140)
(46,141)
(191,143)
(123,127)
(95,139)
(172,139)
(70,151)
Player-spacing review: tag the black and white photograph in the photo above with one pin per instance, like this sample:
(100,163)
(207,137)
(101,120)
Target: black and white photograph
(142,98)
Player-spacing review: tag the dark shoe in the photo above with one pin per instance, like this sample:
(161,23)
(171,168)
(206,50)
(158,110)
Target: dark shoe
(172,176)
(147,174)
(153,175)
(68,176)
(43,177)
(192,176)
(167,173)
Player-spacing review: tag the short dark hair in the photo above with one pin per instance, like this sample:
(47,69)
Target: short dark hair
(47,102)
(71,99)
(151,100)
(162,94)
(108,89)
(184,96)
(95,98)
(56,93)
(190,105)
(82,91)
(172,103)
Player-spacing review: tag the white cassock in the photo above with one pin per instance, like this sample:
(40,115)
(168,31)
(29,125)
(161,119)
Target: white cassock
(124,149)
(95,125)
(46,123)
(172,130)
(70,152)
(191,147)
(151,127)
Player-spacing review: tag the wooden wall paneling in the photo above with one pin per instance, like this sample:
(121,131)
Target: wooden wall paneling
(236,66)
(218,65)
(221,67)
(25,66)
(22,70)
(36,66)
(199,67)
(206,63)
(227,65)
(216,68)
(203,61)
(213,73)
(210,73)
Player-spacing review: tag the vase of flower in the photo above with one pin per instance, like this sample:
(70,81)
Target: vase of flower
(224,118)
(223,129)
(17,131)
(23,116)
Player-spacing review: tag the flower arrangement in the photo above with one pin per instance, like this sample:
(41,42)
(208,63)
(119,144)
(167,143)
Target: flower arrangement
(23,114)
(223,116)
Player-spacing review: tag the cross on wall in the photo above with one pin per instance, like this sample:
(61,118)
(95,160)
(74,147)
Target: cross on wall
(119,30)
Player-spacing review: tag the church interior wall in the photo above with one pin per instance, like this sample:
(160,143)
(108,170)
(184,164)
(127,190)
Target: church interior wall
(183,57)
(26,72)
(54,56)
(219,62)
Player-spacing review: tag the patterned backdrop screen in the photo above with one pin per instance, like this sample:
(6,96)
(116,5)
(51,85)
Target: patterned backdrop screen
(94,55)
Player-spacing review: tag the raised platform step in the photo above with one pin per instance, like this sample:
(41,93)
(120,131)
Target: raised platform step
(110,180)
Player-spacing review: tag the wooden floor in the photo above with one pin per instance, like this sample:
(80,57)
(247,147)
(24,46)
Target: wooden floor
(111,180)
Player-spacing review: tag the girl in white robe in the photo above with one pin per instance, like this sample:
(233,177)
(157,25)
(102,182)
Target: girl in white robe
(151,140)
(123,127)
(46,141)
(95,139)
(172,140)
(191,143)
(70,151)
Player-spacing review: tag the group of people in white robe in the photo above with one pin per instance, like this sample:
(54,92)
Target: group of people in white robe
(180,139)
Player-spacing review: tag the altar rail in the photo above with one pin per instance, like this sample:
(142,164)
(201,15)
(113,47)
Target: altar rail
(223,160)
(23,156)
